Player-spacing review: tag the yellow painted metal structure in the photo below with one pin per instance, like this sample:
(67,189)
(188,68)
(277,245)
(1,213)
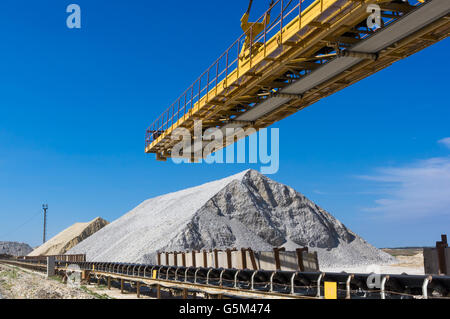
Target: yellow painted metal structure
(304,38)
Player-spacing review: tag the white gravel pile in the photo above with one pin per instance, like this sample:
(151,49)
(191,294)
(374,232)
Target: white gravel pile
(244,210)
(14,248)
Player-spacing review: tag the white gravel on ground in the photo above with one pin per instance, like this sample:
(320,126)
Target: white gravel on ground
(16,283)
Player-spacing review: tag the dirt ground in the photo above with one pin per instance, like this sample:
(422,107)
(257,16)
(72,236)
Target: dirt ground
(20,283)
(17,283)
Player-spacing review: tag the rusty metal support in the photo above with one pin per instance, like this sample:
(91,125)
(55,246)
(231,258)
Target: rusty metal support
(316,257)
(244,258)
(121,285)
(440,247)
(205,259)
(138,289)
(299,252)
(276,254)
(252,258)
(158,291)
(229,260)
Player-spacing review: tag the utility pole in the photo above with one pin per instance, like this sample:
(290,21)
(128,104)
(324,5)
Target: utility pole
(45,207)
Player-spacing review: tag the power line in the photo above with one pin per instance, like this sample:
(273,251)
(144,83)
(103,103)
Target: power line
(21,225)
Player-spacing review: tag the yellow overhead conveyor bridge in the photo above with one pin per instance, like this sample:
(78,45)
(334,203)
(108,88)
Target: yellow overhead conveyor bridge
(311,50)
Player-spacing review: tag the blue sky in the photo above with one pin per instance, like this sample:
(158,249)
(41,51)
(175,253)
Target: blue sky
(74,106)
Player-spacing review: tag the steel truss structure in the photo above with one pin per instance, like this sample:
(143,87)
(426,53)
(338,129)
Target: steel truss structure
(310,51)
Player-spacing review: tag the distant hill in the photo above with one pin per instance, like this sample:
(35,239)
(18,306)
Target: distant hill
(407,247)
(69,238)
(14,248)
(403,251)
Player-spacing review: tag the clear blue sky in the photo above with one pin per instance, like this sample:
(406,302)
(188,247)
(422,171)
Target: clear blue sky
(74,106)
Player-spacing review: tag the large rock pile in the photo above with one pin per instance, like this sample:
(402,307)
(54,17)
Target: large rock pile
(244,210)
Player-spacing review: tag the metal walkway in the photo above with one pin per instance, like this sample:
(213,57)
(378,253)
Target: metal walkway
(311,50)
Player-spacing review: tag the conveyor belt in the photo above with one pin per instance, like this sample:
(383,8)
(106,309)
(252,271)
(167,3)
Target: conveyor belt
(259,283)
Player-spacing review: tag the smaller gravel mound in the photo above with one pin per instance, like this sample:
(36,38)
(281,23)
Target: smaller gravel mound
(14,248)
(69,238)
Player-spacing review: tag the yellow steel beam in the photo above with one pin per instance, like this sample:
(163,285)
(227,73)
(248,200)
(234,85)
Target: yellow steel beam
(293,47)
(307,17)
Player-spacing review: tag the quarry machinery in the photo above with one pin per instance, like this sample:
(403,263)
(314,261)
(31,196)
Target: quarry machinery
(308,50)
(248,283)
